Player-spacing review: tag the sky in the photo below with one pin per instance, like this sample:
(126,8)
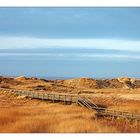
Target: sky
(70,42)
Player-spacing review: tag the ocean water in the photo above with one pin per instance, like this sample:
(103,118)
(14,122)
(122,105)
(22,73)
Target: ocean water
(63,63)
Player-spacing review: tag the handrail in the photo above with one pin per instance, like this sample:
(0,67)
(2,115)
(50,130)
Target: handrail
(81,100)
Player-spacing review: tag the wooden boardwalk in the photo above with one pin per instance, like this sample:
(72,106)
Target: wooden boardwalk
(82,101)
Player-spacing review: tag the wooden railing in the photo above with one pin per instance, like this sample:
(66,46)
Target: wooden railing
(118,114)
(43,96)
(82,101)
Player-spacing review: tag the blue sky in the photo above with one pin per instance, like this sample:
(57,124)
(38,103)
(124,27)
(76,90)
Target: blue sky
(84,42)
(71,22)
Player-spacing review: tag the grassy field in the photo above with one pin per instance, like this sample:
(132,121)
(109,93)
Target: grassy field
(33,116)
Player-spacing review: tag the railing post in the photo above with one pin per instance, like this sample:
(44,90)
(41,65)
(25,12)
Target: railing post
(20,93)
(46,96)
(132,116)
(59,97)
(53,97)
(77,98)
(42,96)
(28,94)
(122,114)
(64,98)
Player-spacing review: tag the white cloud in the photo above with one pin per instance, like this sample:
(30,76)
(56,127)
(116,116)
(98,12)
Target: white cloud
(30,42)
(70,56)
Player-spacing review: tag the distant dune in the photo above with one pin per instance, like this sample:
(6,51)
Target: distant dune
(88,83)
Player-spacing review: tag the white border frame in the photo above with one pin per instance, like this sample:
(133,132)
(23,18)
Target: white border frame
(70,3)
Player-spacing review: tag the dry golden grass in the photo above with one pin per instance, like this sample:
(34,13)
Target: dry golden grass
(40,117)
(57,118)
(52,118)
(21,115)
